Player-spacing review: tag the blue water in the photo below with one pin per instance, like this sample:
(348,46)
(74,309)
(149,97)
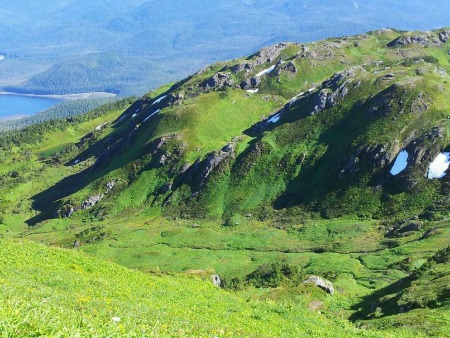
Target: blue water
(14,106)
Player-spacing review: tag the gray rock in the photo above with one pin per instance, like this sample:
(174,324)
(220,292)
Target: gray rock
(444,36)
(214,159)
(251,83)
(91,201)
(218,81)
(216,280)
(110,186)
(321,283)
(176,99)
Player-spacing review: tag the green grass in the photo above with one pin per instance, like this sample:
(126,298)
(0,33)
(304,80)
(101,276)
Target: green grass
(54,292)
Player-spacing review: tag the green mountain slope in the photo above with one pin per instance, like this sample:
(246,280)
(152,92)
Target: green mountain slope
(288,154)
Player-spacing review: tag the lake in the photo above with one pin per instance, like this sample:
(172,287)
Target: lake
(14,106)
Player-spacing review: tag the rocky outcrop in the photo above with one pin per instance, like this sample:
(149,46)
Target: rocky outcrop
(444,36)
(287,67)
(321,283)
(424,39)
(215,158)
(334,89)
(218,81)
(175,98)
(376,156)
(251,83)
(91,201)
(425,148)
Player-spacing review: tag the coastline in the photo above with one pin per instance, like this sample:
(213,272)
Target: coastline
(67,97)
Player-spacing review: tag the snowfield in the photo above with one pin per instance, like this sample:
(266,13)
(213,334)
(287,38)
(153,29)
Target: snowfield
(439,166)
(265,71)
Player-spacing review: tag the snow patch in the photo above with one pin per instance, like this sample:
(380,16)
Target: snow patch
(133,116)
(265,71)
(137,110)
(159,100)
(400,164)
(100,127)
(439,166)
(252,91)
(274,118)
(155,112)
(76,161)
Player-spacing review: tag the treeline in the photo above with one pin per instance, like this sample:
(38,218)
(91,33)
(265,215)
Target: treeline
(34,133)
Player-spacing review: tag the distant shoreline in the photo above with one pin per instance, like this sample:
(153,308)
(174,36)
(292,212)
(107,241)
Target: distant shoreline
(67,97)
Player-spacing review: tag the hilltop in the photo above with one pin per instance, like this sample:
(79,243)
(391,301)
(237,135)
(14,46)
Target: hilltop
(331,157)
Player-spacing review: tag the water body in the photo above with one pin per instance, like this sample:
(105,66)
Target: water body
(16,106)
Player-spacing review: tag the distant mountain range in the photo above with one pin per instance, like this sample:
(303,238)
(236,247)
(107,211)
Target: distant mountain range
(130,47)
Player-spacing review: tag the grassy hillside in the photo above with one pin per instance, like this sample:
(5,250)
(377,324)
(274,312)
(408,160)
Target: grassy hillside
(51,292)
(281,156)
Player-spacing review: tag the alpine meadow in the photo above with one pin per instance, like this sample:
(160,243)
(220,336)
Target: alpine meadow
(300,191)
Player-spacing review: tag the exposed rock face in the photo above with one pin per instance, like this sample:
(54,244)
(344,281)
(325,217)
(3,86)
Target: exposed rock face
(265,55)
(423,150)
(377,156)
(216,280)
(176,98)
(334,89)
(218,81)
(444,36)
(418,39)
(288,67)
(251,83)
(214,159)
(91,201)
(321,283)
(269,54)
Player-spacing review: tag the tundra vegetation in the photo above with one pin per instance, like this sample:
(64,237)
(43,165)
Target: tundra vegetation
(265,188)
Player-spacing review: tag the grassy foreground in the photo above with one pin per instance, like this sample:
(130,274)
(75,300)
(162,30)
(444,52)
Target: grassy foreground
(48,292)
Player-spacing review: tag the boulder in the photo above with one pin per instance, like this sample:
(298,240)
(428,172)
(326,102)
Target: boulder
(321,283)
(216,280)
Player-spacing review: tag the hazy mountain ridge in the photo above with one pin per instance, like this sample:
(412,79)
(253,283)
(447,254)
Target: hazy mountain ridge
(148,32)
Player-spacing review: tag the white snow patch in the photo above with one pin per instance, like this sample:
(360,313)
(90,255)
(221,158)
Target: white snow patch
(155,112)
(400,164)
(439,166)
(133,116)
(356,5)
(123,117)
(137,110)
(297,96)
(310,90)
(265,71)
(76,161)
(2,57)
(115,319)
(159,100)
(252,91)
(274,118)
(100,127)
